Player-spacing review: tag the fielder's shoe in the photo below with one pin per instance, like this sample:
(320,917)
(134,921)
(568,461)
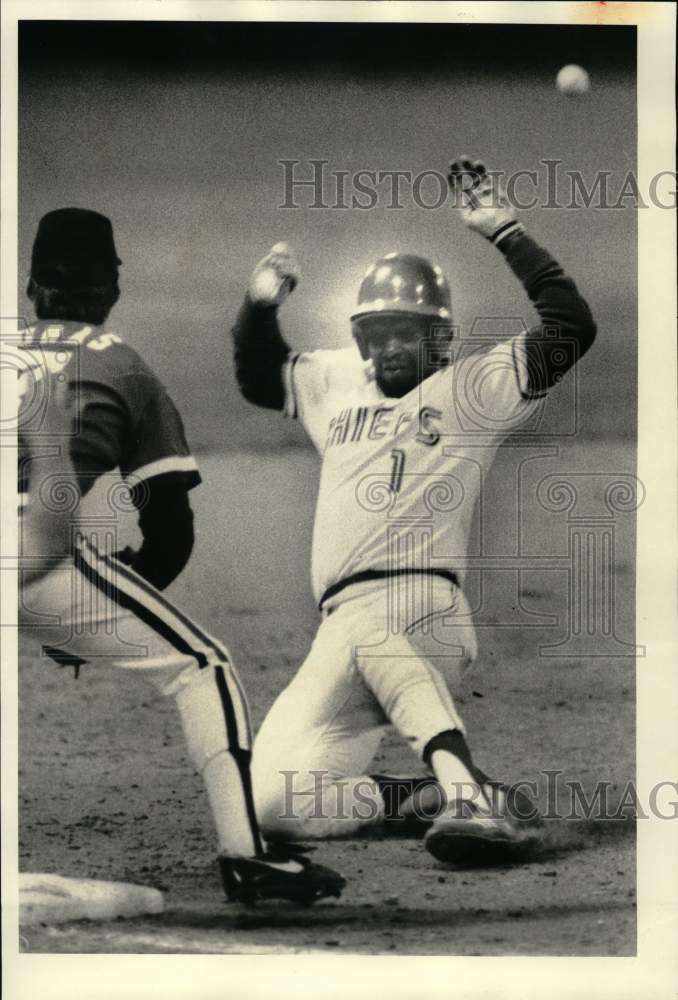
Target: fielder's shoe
(472,834)
(282,872)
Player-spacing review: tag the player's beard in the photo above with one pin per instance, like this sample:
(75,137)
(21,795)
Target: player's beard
(397,384)
(397,380)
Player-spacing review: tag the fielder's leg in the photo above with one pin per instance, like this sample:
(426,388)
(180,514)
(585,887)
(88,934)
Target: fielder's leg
(107,611)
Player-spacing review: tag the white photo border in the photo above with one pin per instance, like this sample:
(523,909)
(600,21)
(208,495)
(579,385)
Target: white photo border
(654,971)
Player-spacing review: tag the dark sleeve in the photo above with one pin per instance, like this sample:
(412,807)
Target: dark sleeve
(260,353)
(156,443)
(166,523)
(96,446)
(566,328)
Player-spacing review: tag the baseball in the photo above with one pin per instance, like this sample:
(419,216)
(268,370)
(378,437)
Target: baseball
(573,80)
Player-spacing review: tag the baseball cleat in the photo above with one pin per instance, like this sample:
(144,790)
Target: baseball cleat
(473,834)
(280,873)
(420,809)
(428,803)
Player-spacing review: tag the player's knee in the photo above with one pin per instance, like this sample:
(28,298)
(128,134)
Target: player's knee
(170,675)
(294,805)
(470,649)
(178,672)
(268,786)
(458,664)
(281,809)
(468,655)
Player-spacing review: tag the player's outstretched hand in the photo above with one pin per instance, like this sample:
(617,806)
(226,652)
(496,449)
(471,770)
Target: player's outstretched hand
(480,197)
(274,277)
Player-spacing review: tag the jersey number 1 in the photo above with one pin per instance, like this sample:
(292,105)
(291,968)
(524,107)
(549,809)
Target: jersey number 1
(398,457)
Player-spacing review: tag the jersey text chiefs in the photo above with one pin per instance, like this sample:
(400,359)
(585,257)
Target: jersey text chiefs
(373,424)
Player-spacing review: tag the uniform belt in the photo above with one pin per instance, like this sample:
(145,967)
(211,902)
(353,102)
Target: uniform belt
(382,574)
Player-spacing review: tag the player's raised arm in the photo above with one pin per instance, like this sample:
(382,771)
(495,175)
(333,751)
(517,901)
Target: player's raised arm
(260,350)
(566,329)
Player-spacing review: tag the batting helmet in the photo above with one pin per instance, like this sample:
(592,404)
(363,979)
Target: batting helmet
(402,283)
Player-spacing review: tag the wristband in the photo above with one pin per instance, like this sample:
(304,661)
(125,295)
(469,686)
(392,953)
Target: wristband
(508,229)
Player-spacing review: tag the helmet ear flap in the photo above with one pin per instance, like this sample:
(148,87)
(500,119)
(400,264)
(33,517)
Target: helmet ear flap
(361,341)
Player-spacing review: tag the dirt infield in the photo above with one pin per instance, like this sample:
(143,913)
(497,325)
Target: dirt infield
(107,791)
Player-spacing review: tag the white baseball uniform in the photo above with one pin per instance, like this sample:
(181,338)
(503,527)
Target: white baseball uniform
(400,479)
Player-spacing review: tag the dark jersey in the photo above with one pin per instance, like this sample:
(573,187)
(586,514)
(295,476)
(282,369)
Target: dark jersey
(123,416)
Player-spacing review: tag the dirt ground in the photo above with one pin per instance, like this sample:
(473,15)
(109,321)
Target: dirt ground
(106,789)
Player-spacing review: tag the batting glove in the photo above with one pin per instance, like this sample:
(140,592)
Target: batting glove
(274,277)
(481,199)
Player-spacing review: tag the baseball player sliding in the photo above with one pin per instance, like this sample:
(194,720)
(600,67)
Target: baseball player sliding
(89,605)
(405,441)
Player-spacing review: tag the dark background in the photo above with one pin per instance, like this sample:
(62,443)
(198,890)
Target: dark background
(175,130)
(313,47)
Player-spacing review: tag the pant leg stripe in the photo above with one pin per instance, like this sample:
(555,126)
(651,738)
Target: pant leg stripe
(245,707)
(241,756)
(133,577)
(238,709)
(135,585)
(143,585)
(140,610)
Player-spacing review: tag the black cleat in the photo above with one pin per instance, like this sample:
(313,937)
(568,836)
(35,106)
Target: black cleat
(282,872)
